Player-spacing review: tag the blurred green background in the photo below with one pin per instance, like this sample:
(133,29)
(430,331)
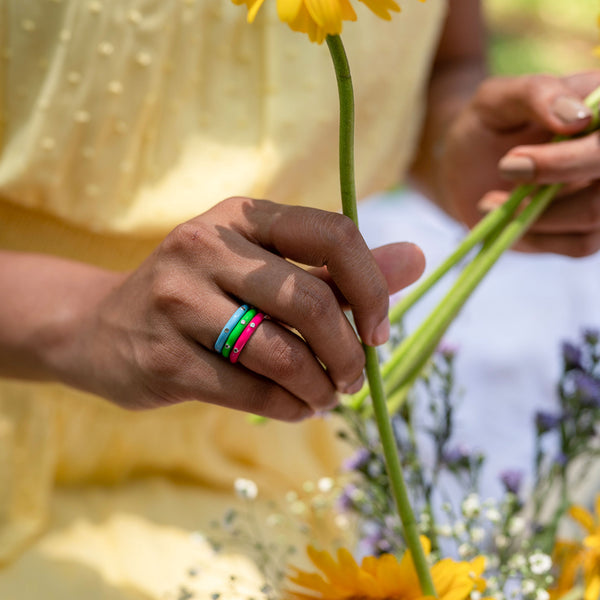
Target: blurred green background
(552,36)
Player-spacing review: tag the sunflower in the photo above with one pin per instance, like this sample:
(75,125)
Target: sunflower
(382,578)
(320,18)
(578,561)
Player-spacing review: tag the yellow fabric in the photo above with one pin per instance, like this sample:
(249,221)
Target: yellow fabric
(118,120)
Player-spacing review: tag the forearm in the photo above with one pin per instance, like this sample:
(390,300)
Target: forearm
(44,301)
(459,67)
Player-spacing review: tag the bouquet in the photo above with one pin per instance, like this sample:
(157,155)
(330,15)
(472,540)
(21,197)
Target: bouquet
(412,542)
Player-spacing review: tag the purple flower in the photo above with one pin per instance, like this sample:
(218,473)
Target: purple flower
(358,460)
(457,456)
(345,502)
(512,479)
(560,459)
(545,421)
(587,388)
(447,350)
(571,356)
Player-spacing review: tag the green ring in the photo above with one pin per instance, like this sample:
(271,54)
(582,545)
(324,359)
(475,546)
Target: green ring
(237,330)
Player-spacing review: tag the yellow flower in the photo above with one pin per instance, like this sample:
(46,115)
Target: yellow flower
(580,561)
(383,578)
(320,18)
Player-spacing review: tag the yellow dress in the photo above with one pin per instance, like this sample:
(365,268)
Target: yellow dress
(118,120)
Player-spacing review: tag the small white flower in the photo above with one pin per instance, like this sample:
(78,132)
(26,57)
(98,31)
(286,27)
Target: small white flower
(542,595)
(308,487)
(471,506)
(517,526)
(501,541)
(540,563)
(459,528)
(273,520)
(291,496)
(477,534)
(528,586)
(444,530)
(298,507)
(475,595)
(493,515)
(464,550)
(342,521)
(325,484)
(245,488)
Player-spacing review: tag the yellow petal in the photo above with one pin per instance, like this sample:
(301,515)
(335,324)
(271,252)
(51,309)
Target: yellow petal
(288,9)
(583,517)
(382,7)
(253,9)
(327,14)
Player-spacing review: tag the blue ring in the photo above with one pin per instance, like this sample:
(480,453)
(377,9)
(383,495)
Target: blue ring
(233,321)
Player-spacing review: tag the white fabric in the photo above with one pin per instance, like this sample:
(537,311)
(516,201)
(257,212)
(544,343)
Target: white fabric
(508,335)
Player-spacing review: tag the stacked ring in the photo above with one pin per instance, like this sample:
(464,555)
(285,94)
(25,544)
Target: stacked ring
(245,336)
(237,330)
(233,321)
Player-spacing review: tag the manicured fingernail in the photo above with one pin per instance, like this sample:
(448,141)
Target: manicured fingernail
(570,110)
(356,386)
(382,332)
(517,168)
(487,205)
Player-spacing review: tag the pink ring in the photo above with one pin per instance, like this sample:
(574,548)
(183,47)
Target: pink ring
(245,336)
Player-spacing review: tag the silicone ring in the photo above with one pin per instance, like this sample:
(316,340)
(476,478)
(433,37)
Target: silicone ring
(245,336)
(237,331)
(233,321)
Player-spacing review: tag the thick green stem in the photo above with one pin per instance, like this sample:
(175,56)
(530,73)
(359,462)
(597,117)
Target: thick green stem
(390,450)
(495,220)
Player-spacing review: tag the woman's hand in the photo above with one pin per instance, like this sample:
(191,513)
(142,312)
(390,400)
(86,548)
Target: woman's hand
(148,339)
(501,138)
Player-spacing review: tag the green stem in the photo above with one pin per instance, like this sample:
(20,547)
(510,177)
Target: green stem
(493,221)
(390,450)
(421,343)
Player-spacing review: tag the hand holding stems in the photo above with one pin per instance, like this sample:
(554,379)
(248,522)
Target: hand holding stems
(497,232)
(145,338)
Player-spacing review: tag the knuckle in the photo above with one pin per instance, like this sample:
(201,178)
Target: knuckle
(286,360)
(341,232)
(315,301)
(165,291)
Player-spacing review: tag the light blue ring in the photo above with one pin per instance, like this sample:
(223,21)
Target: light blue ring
(233,321)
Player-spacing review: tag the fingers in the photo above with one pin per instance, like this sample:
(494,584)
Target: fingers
(506,104)
(401,264)
(230,386)
(273,352)
(318,238)
(560,162)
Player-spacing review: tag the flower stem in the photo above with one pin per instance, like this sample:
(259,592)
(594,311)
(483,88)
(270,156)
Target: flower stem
(390,450)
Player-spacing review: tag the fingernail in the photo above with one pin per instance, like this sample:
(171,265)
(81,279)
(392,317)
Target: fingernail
(356,386)
(382,332)
(570,110)
(517,168)
(487,205)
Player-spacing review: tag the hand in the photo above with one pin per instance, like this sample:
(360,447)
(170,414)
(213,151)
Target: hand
(149,342)
(501,139)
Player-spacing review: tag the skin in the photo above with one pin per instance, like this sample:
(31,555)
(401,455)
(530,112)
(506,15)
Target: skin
(475,123)
(144,339)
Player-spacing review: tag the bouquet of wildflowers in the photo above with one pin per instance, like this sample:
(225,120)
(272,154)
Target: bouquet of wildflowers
(413,542)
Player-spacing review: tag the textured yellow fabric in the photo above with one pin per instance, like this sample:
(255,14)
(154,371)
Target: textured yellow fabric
(118,120)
